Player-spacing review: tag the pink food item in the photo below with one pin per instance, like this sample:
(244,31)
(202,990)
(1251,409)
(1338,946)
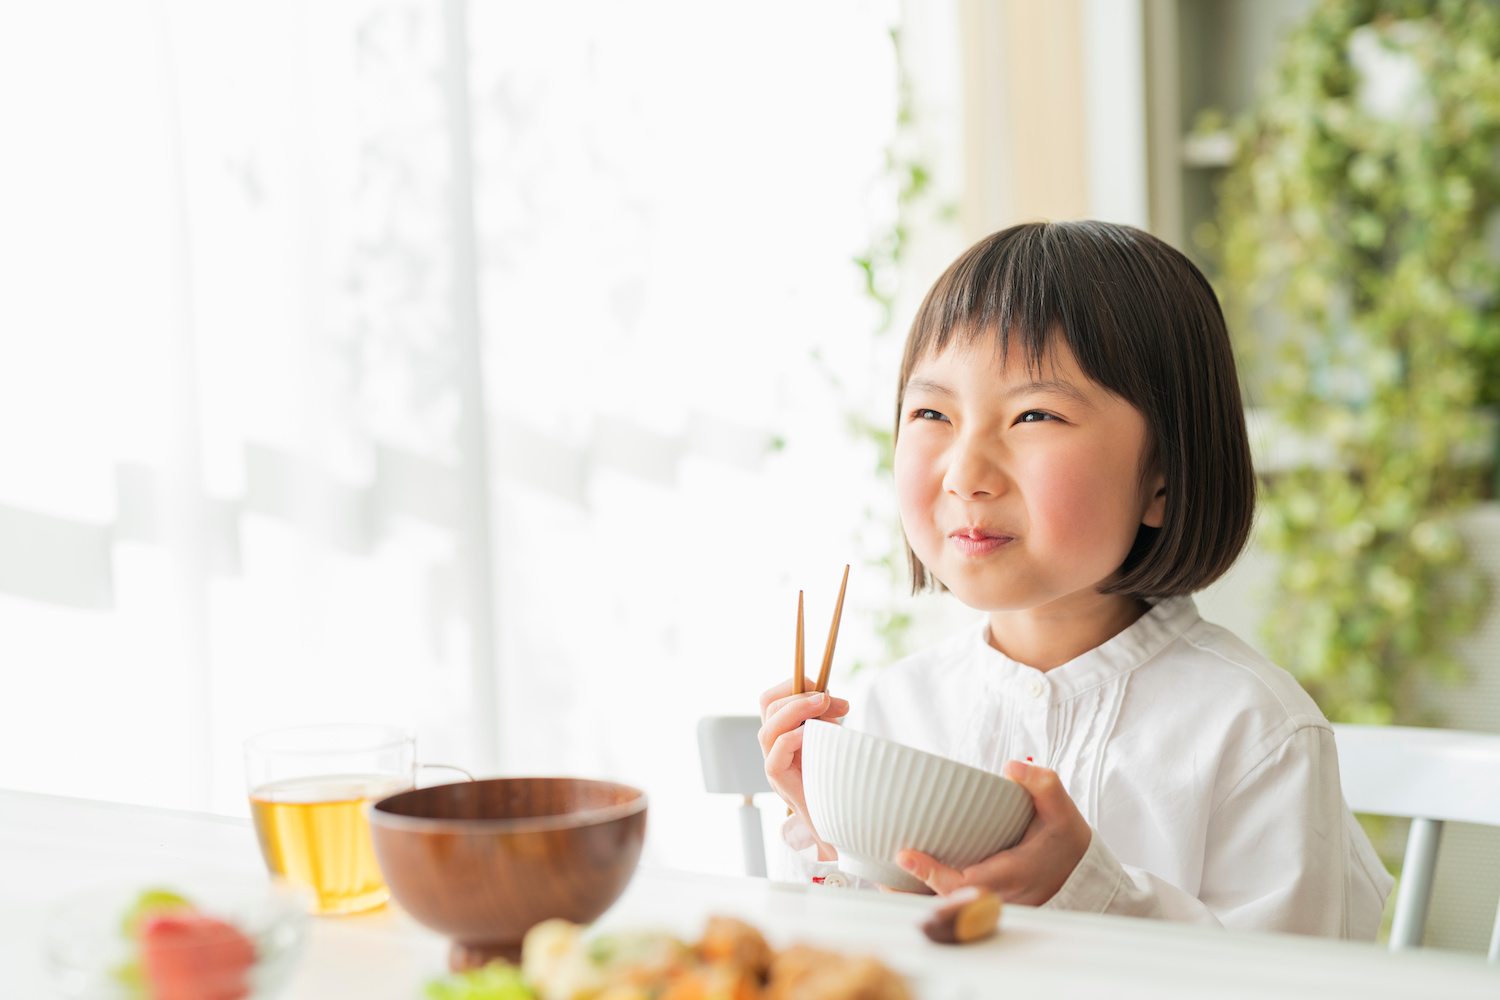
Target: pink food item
(190,956)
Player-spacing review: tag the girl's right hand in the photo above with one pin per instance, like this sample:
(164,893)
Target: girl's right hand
(781,717)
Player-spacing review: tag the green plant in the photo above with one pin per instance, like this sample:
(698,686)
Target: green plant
(880,270)
(1358,244)
(880,264)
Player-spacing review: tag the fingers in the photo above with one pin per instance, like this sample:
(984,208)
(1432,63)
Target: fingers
(1033,869)
(938,876)
(775,693)
(782,751)
(832,708)
(1053,844)
(783,770)
(1003,873)
(782,715)
(789,713)
(773,698)
(1047,792)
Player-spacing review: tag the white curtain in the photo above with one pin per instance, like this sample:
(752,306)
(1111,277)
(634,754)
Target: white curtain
(480,368)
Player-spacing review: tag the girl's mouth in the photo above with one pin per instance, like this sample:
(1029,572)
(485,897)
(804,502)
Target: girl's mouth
(976,542)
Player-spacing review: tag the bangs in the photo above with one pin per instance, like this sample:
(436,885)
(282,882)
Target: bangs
(1030,284)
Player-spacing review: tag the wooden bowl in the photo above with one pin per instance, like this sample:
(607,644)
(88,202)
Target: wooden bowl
(482,861)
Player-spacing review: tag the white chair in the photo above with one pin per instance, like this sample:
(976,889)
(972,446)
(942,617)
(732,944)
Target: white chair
(729,746)
(1431,776)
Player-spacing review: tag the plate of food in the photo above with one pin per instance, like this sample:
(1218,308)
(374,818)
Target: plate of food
(730,961)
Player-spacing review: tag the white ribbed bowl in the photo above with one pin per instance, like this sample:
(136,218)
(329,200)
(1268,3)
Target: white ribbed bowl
(871,798)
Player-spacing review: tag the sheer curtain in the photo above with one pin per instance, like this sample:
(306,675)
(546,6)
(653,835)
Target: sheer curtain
(480,368)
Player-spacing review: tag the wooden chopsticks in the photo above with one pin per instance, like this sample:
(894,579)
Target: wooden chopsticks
(799,676)
(833,635)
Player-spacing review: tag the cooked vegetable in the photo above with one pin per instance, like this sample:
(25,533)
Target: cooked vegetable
(803,973)
(192,956)
(736,943)
(495,981)
(555,963)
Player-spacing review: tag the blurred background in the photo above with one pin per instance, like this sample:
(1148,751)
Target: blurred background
(503,370)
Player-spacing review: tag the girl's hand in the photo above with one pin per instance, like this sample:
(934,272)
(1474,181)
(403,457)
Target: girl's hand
(781,716)
(1034,869)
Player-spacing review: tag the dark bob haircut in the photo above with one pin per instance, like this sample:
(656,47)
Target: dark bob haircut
(1143,323)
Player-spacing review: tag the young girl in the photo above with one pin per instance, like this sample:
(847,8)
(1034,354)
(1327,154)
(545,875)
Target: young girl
(1071,458)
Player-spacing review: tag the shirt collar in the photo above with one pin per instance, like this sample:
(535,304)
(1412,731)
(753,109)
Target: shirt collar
(1143,639)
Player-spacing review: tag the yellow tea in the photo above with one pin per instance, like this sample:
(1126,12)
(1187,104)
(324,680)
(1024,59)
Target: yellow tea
(314,831)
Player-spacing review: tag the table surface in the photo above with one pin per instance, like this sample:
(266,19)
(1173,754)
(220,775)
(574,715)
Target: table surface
(50,847)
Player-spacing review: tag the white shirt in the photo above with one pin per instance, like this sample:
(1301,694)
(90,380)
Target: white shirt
(1208,775)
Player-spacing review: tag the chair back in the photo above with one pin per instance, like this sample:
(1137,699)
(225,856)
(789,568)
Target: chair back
(729,749)
(1432,776)
(1421,773)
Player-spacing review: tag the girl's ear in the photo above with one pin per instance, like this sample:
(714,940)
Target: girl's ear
(1156,505)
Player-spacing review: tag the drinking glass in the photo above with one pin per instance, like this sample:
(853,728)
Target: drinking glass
(308,789)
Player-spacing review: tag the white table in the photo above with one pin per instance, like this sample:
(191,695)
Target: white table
(52,846)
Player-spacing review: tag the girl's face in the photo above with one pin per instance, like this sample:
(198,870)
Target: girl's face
(1020,489)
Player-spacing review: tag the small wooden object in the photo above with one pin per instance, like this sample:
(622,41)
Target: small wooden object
(966,915)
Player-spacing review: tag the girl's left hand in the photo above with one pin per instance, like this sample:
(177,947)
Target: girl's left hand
(1034,869)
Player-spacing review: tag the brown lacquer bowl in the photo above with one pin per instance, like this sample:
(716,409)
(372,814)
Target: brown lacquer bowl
(482,861)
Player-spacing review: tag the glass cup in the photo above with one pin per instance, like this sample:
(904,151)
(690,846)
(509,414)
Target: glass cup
(308,790)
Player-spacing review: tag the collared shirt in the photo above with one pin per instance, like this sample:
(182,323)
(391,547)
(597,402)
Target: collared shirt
(1209,777)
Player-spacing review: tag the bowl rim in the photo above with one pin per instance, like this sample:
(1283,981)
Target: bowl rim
(518,824)
(861,734)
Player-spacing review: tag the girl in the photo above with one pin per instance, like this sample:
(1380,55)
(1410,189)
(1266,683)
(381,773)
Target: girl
(1071,458)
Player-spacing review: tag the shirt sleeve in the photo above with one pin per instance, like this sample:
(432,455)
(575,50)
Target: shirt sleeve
(1281,853)
(797,860)
(1100,884)
(797,854)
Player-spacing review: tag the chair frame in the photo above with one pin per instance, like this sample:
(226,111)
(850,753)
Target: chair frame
(729,748)
(1431,776)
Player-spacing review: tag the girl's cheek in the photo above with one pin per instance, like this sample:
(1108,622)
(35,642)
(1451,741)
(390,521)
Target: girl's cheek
(915,473)
(1078,500)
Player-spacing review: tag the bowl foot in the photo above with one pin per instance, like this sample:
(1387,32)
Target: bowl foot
(463,957)
(886,873)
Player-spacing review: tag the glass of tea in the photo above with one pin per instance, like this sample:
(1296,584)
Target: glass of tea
(308,789)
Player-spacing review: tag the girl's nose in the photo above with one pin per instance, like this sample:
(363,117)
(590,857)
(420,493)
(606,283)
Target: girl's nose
(973,473)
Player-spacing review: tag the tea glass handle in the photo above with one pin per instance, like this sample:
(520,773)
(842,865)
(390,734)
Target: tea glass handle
(447,767)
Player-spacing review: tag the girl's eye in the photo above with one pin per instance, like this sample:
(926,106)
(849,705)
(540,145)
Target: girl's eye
(1034,416)
(927,415)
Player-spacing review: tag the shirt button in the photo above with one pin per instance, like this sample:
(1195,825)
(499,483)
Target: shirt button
(1036,687)
(837,879)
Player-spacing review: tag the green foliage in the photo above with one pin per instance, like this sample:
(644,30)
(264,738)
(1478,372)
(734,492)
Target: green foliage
(880,268)
(880,264)
(1358,250)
